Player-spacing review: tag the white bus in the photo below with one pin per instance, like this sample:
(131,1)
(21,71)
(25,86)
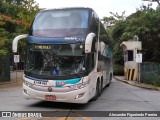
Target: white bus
(68,56)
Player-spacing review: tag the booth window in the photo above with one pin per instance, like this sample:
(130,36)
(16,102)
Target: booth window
(125,55)
(130,55)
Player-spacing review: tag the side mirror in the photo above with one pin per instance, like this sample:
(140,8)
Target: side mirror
(15,42)
(88,42)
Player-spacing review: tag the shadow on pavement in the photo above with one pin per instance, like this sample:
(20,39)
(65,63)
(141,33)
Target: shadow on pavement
(59,105)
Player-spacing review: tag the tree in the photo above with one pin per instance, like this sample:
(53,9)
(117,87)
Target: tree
(15,18)
(13,1)
(27,10)
(109,21)
(3,41)
(145,24)
(158,1)
(115,26)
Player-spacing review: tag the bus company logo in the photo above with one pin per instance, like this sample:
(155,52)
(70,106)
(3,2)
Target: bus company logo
(49,89)
(74,38)
(61,83)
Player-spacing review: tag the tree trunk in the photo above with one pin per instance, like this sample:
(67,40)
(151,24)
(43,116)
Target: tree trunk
(158,2)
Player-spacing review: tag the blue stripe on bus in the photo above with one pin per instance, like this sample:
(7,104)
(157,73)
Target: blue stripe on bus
(62,40)
(59,83)
(36,79)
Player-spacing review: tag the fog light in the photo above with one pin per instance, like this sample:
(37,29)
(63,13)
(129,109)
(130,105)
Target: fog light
(25,91)
(79,95)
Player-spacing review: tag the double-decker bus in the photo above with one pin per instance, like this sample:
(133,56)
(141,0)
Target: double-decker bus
(68,56)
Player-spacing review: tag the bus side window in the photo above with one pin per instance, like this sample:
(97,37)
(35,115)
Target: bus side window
(94,23)
(90,62)
(93,49)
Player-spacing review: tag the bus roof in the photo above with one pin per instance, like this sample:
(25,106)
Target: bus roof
(67,8)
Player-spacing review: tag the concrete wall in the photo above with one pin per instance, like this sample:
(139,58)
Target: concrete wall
(19,75)
(130,65)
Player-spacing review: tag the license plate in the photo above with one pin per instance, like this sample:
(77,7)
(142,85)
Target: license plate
(50,97)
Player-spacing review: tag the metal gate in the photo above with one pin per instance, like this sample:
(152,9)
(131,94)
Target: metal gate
(150,73)
(4,68)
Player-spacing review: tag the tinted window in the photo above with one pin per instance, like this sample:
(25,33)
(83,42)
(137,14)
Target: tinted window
(60,23)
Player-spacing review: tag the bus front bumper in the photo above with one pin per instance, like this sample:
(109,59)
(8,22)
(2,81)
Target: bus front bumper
(75,96)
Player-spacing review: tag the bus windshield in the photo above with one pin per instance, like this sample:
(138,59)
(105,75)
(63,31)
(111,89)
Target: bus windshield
(55,60)
(60,23)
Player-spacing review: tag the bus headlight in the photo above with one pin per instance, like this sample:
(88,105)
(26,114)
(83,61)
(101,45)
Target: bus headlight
(29,84)
(79,86)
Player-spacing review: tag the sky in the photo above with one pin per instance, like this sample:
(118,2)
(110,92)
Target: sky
(101,7)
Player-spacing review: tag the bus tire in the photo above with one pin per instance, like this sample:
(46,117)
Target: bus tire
(110,79)
(97,91)
(108,84)
(101,87)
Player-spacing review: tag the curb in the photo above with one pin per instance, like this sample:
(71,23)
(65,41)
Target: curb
(11,82)
(141,85)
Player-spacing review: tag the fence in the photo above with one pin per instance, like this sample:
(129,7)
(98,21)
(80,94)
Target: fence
(4,68)
(150,73)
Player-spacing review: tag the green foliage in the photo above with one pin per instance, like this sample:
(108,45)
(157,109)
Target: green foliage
(27,11)
(3,41)
(158,1)
(115,28)
(15,19)
(145,24)
(118,69)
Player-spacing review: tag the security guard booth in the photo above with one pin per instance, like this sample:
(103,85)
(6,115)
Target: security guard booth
(130,49)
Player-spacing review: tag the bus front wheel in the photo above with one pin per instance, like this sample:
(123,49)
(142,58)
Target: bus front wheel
(110,79)
(98,90)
